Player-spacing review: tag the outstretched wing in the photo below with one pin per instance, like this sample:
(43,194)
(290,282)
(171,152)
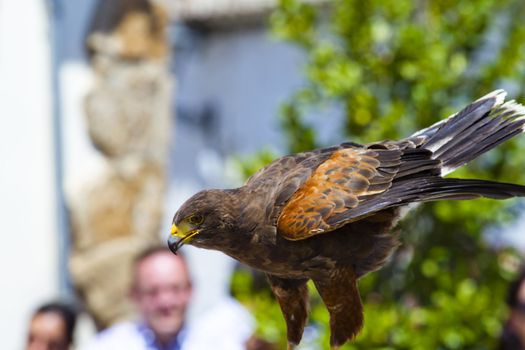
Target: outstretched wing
(349,178)
(355,183)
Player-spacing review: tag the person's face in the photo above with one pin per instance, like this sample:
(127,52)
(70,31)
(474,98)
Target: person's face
(47,331)
(162,292)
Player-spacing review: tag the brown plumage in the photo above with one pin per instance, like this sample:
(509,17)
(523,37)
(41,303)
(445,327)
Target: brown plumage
(326,215)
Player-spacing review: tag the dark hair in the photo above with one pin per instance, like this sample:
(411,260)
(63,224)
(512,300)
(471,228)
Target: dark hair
(67,312)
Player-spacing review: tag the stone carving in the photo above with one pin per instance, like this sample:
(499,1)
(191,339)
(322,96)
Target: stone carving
(118,213)
(126,112)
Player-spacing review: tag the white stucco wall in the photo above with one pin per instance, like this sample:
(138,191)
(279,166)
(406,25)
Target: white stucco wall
(28,252)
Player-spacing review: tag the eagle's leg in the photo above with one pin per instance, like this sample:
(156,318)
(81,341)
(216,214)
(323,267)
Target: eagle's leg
(292,295)
(341,297)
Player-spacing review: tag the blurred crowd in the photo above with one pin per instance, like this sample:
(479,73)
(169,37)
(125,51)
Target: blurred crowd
(161,291)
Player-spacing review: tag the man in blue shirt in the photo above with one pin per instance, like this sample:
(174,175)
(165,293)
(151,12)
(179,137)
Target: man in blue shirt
(161,291)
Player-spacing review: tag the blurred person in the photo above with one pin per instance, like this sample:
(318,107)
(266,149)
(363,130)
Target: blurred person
(51,327)
(161,290)
(513,335)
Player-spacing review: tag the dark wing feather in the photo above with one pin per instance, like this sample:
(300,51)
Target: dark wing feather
(281,168)
(357,182)
(340,184)
(428,189)
(273,185)
(353,183)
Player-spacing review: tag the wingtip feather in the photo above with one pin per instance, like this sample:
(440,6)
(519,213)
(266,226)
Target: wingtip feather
(517,110)
(499,96)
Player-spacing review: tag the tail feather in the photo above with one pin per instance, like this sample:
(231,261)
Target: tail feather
(427,190)
(439,188)
(476,129)
(485,144)
(442,132)
(433,152)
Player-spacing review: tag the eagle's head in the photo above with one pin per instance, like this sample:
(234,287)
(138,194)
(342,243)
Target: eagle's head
(203,220)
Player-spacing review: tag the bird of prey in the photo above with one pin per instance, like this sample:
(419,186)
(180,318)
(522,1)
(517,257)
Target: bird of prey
(326,215)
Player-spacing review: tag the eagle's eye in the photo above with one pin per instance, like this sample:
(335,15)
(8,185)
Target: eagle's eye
(196,219)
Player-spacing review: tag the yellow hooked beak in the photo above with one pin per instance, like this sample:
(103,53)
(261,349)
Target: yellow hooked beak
(179,236)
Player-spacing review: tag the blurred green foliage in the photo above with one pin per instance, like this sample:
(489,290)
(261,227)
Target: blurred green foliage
(393,67)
